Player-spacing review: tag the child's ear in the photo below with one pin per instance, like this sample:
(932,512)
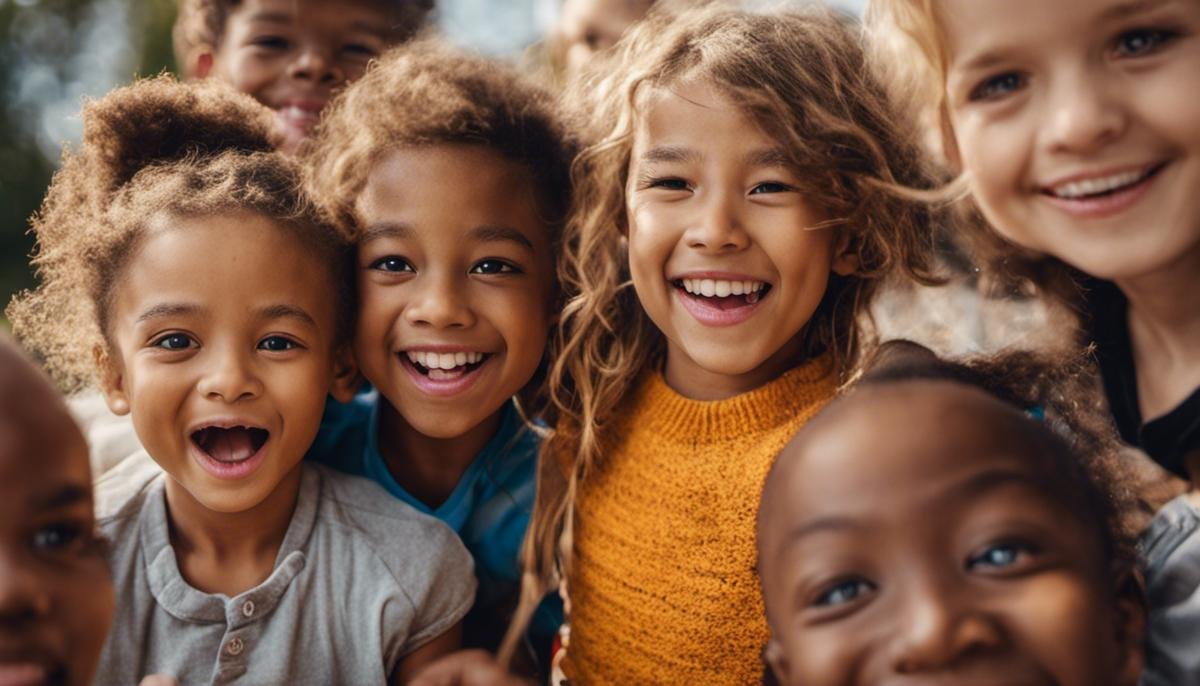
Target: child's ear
(1130,625)
(200,62)
(776,661)
(845,257)
(346,378)
(112,380)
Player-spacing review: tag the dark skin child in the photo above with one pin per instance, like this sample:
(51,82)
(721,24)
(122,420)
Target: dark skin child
(923,532)
(56,595)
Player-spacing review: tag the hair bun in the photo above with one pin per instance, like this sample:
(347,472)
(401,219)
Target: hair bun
(160,121)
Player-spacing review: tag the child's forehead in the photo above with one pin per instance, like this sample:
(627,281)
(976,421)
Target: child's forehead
(39,441)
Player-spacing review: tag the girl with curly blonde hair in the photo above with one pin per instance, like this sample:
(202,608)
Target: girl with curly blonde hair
(186,274)
(739,200)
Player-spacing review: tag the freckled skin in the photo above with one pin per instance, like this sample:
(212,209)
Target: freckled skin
(913,535)
(56,594)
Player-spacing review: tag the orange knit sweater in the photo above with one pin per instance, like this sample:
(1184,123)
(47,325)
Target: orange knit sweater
(663,586)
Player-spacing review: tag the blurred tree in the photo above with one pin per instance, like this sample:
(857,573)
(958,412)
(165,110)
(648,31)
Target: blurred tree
(54,53)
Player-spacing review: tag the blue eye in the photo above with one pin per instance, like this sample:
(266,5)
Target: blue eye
(1142,41)
(844,592)
(998,86)
(494,267)
(276,344)
(770,187)
(56,537)
(1000,557)
(391,263)
(175,341)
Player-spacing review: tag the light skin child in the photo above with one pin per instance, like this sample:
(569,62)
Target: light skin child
(726,254)
(455,304)
(587,28)
(291,55)
(1076,123)
(224,367)
(56,594)
(924,532)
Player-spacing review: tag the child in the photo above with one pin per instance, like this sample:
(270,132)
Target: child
(452,174)
(56,595)
(291,55)
(922,530)
(736,176)
(1074,128)
(178,251)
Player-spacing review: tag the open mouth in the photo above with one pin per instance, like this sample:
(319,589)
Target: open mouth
(445,366)
(232,444)
(1102,187)
(723,294)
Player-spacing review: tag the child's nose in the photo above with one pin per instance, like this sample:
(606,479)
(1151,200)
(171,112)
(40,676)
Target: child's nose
(440,301)
(938,626)
(1084,114)
(717,226)
(316,63)
(22,599)
(229,375)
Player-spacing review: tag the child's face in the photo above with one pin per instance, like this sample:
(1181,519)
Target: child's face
(587,27)
(224,353)
(1078,121)
(56,595)
(721,246)
(455,283)
(918,538)
(292,54)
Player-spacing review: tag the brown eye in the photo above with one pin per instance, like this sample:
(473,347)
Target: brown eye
(57,538)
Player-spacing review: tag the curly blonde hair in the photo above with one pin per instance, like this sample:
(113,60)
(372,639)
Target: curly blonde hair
(153,149)
(200,24)
(801,75)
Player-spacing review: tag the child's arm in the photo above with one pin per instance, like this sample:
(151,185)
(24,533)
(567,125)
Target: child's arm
(410,664)
(468,668)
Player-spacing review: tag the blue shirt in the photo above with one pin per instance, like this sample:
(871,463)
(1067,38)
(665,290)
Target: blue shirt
(489,509)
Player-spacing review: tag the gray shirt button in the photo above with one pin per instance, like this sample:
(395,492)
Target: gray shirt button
(235,647)
(248,608)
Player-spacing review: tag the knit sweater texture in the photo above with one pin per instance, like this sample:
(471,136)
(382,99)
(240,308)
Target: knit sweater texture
(663,585)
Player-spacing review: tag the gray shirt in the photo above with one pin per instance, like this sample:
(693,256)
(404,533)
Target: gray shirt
(1171,547)
(360,581)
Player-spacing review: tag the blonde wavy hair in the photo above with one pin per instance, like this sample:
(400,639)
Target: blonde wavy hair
(153,150)
(802,76)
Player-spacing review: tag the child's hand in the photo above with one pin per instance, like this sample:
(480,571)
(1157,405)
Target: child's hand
(158,680)
(467,668)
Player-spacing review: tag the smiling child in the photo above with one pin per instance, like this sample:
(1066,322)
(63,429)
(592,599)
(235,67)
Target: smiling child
(56,595)
(291,55)
(178,256)
(921,530)
(451,173)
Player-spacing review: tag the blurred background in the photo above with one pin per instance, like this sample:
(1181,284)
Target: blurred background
(55,53)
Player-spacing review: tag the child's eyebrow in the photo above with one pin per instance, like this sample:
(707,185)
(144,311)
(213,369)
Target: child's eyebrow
(63,496)
(1128,9)
(670,153)
(494,233)
(388,230)
(271,17)
(286,312)
(168,310)
(997,478)
(768,157)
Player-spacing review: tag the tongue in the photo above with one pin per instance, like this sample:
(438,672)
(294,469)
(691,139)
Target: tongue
(230,445)
(446,374)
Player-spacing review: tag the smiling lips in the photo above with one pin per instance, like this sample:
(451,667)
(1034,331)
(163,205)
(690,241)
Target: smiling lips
(444,373)
(230,452)
(25,674)
(1102,195)
(720,302)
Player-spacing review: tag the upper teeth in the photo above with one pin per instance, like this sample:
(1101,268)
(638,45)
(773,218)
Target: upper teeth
(431,360)
(1085,187)
(711,287)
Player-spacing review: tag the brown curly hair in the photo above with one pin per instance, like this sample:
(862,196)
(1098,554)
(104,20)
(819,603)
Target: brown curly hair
(200,24)
(801,75)
(155,148)
(427,93)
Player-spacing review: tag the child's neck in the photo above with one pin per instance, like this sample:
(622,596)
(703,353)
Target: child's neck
(1164,330)
(430,468)
(687,378)
(229,552)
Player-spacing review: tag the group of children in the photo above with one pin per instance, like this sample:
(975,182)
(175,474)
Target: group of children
(420,358)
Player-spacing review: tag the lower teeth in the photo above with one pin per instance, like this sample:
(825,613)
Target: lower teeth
(752,298)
